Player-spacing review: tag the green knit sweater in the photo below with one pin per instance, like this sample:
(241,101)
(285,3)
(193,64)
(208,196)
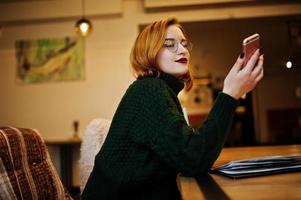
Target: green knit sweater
(149,143)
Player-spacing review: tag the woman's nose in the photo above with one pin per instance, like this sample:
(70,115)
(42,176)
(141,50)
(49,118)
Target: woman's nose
(182,49)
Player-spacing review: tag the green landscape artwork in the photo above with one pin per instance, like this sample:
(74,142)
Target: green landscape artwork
(49,60)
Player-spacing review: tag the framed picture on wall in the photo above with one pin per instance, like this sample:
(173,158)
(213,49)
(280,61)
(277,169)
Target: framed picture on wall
(49,60)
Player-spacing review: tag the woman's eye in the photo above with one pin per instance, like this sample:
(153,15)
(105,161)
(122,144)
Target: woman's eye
(169,45)
(184,43)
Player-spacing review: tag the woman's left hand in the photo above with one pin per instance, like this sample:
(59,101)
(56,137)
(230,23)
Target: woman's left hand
(242,79)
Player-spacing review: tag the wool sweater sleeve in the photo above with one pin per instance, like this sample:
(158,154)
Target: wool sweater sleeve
(160,125)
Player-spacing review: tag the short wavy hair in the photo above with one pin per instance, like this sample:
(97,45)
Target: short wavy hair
(147,46)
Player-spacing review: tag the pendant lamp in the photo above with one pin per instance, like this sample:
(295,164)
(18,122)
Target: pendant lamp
(83,26)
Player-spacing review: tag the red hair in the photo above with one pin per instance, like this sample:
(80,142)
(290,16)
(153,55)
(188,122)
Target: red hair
(147,46)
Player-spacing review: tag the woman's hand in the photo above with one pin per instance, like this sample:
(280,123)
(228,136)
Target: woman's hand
(240,81)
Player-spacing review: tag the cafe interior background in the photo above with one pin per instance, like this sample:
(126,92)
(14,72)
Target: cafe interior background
(60,106)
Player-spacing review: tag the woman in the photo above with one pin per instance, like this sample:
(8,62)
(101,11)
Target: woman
(149,142)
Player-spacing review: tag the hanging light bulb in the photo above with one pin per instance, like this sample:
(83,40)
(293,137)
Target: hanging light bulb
(83,26)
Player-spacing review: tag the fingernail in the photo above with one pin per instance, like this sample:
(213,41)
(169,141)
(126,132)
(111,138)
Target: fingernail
(242,54)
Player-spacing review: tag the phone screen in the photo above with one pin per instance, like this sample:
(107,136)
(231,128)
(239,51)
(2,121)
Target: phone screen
(250,45)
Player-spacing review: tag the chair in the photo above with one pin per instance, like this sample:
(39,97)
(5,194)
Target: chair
(92,141)
(26,170)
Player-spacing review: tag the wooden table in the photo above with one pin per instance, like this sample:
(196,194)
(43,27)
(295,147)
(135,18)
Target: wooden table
(278,186)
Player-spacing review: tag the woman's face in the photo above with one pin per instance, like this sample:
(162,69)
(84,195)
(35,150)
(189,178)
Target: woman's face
(174,56)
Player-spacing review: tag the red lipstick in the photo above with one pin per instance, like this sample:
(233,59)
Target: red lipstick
(182,60)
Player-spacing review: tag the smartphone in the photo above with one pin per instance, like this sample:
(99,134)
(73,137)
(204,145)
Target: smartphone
(250,45)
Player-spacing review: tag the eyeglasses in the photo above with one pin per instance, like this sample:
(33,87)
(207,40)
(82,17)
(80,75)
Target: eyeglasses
(173,45)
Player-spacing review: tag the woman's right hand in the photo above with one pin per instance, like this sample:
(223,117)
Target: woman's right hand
(240,81)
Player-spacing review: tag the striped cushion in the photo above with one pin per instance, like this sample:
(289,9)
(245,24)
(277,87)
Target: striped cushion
(26,170)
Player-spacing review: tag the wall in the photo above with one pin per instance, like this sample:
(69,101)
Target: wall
(52,107)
